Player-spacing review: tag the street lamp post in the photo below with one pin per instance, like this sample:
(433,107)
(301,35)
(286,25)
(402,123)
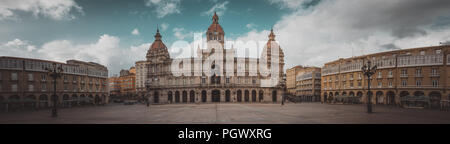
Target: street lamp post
(55,72)
(368,71)
(283,86)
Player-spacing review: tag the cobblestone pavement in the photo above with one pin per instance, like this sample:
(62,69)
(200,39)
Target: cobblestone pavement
(304,113)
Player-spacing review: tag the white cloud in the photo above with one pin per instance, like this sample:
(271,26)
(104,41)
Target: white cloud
(135,32)
(219,8)
(164,7)
(251,26)
(139,52)
(337,29)
(164,26)
(102,51)
(54,9)
(17,47)
(180,33)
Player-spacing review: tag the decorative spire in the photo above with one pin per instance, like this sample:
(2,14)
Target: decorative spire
(215,18)
(271,35)
(158,35)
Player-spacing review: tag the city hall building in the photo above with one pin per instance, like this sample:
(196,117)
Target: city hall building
(26,84)
(162,87)
(417,77)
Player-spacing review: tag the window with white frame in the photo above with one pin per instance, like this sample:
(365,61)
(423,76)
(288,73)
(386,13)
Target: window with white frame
(14,87)
(390,73)
(30,77)
(422,52)
(438,51)
(380,84)
(30,87)
(43,77)
(418,82)
(434,72)
(14,76)
(404,72)
(43,87)
(379,74)
(435,83)
(390,84)
(418,72)
(404,82)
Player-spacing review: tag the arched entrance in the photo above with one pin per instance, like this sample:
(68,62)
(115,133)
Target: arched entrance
(227,96)
(325,97)
(330,97)
(215,96)
(239,96)
(14,103)
(390,98)
(74,101)
(96,99)
(170,97)
(66,100)
(359,94)
(30,102)
(274,96)
(2,103)
(83,99)
(91,99)
(177,97)
(435,100)
(261,96)
(403,96)
(379,97)
(247,96)
(185,95)
(203,96)
(192,96)
(156,97)
(253,96)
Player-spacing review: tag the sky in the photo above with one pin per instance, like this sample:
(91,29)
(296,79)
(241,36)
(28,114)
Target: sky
(311,32)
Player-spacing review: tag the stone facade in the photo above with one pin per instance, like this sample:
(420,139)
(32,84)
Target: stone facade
(164,87)
(417,77)
(124,85)
(308,84)
(141,74)
(25,84)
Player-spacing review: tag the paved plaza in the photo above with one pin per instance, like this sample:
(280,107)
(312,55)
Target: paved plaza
(227,113)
